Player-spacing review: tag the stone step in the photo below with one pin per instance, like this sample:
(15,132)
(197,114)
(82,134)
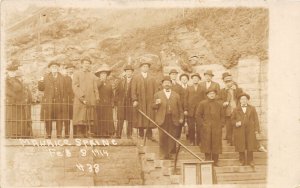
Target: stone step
(224,155)
(241,176)
(230,169)
(235,162)
(253,182)
(155,149)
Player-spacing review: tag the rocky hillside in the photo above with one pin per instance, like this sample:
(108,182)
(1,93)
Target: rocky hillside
(182,38)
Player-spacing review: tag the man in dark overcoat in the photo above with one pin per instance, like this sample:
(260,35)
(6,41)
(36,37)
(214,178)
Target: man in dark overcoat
(143,89)
(228,97)
(194,95)
(123,102)
(246,126)
(208,83)
(168,115)
(209,116)
(52,84)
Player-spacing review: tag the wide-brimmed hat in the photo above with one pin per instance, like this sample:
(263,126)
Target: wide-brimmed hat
(165,78)
(128,67)
(173,71)
(12,67)
(211,90)
(103,68)
(196,74)
(244,94)
(226,76)
(184,74)
(54,62)
(209,72)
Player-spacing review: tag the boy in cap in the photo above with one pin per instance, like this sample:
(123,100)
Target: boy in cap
(229,98)
(168,115)
(209,116)
(124,101)
(246,126)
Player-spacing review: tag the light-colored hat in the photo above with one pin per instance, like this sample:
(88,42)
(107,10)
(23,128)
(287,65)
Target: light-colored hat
(103,68)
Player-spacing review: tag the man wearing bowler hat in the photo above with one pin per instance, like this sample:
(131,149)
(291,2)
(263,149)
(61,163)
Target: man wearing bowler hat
(168,115)
(143,88)
(208,83)
(194,95)
(228,96)
(124,102)
(210,117)
(246,126)
(53,86)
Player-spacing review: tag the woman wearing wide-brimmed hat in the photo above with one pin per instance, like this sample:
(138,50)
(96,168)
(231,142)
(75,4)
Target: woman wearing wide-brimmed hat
(104,125)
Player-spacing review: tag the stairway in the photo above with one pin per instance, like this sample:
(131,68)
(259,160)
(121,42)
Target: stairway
(161,172)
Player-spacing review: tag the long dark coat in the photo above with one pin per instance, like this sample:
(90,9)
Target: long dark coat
(52,105)
(244,136)
(209,115)
(68,99)
(27,101)
(84,86)
(124,101)
(143,90)
(192,99)
(104,123)
(15,119)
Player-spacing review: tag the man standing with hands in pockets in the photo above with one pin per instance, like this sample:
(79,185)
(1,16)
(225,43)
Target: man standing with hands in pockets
(168,115)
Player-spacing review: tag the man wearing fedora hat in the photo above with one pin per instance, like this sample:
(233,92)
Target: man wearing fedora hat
(246,126)
(194,95)
(208,83)
(53,86)
(104,124)
(124,101)
(168,115)
(84,85)
(210,117)
(143,89)
(228,97)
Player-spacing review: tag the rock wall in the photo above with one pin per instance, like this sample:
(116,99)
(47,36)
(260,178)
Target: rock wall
(71,164)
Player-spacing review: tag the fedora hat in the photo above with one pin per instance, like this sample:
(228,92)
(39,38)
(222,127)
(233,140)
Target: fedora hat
(226,76)
(211,90)
(103,68)
(70,66)
(184,74)
(173,71)
(166,78)
(128,67)
(86,59)
(54,62)
(196,74)
(244,94)
(209,72)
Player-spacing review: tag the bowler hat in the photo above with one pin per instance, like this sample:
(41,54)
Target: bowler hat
(211,90)
(173,71)
(86,59)
(145,63)
(12,67)
(128,67)
(226,76)
(166,78)
(184,74)
(196,74)
(209,72)
(244,94)
(70,66)
(54,62)
(103,68)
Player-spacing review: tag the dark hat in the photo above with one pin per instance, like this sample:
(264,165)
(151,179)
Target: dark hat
(184,74)
(86,59)
(70,66)
(128,67)
(103,68)
(226,76)
(12,67)
(244,94)
(145,63)
(166,78)
(211,90)
(196,74)
(173,71)
(54,62)
(209,72)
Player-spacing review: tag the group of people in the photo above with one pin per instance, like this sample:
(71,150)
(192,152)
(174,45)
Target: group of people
(88,98)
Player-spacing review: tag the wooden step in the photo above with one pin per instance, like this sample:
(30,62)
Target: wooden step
(241,176)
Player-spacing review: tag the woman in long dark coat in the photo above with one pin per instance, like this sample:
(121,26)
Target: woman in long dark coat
(104,126)
(246,125)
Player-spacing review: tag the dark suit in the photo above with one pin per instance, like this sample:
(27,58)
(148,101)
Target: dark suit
(180,91)
(192,98)
(52,107)
(68,104)
(124,103)
(167,116)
